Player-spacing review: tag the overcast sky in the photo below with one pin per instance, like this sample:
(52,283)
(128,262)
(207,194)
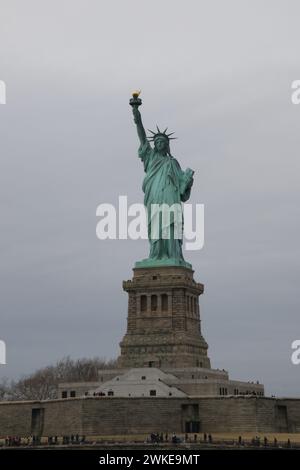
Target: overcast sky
(219,74)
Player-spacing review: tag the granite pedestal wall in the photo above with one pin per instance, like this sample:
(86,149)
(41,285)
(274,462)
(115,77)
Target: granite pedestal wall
(117,416)
(163,324)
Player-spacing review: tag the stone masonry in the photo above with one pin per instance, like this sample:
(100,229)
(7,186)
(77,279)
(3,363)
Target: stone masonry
(163,325)
(98,416)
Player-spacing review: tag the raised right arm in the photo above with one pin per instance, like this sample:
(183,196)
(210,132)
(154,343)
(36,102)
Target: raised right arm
(139,125)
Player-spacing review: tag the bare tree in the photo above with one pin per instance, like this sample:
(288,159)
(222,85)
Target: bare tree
(42,384)
(5,389)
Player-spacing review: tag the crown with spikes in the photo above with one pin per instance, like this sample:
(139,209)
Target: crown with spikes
(160,134)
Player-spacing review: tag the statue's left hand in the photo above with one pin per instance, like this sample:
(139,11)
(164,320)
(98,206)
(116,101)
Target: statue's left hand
(186,183)
(188,176)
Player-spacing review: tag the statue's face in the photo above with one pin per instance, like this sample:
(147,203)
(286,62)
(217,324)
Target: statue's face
(161,144)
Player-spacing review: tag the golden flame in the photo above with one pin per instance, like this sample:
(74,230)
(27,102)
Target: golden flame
(136,93)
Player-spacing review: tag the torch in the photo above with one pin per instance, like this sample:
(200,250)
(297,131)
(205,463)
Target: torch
(135,101)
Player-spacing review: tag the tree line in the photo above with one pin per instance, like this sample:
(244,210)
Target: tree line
(43,383)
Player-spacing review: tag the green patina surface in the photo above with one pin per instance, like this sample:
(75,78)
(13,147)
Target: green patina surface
(164,183)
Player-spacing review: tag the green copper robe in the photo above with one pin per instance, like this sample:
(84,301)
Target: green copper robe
(164,183)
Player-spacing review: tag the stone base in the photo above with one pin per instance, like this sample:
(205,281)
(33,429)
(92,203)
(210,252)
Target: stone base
(163,327)
(151,263)
(193,381)
(96,416)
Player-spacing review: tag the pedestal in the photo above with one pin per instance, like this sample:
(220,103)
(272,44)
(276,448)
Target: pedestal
(163,324)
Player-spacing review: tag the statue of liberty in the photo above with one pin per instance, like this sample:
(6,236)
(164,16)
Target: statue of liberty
(165,186)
